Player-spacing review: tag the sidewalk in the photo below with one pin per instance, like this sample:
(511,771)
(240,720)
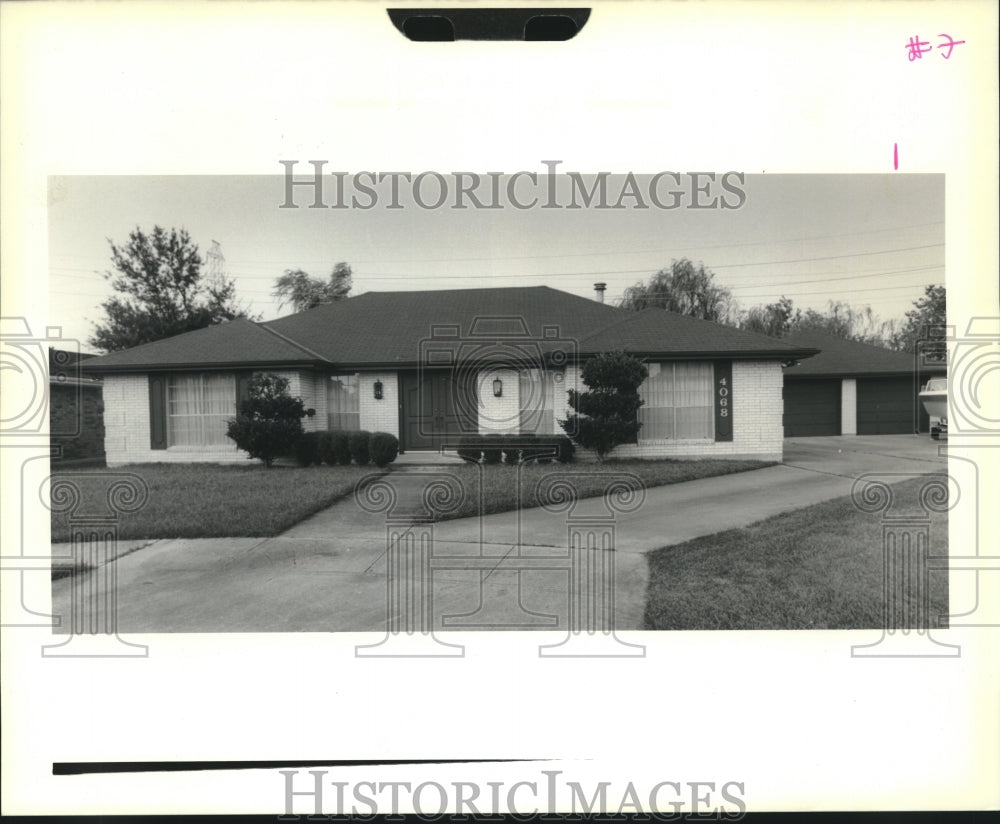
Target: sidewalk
(328,573)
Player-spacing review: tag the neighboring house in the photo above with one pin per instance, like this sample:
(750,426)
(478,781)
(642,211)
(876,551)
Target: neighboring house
(431,366)
(853,388)
(76,421)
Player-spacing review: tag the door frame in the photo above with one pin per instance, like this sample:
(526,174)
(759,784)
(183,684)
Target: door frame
(403,378)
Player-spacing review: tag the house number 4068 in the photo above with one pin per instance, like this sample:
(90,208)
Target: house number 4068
(723,398)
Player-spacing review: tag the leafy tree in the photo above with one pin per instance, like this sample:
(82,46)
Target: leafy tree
(606,415)
(925,322)
(161,291)
(304,292)
(685,288)
(269,423)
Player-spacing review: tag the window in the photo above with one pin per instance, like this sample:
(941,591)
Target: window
(198,407)
(535,393)
(678,402)
(343,411)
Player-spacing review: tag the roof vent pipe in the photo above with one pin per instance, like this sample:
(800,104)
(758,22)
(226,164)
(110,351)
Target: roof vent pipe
(599,291)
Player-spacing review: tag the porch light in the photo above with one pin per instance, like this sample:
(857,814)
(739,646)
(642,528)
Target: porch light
(497,387)
(378,390)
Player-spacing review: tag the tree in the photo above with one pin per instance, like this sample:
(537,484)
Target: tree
(161,291)
(304,292)
(269,420)
(685,288)
(840,320)
(606,415)
(925,325)
(774,319)
(844,321)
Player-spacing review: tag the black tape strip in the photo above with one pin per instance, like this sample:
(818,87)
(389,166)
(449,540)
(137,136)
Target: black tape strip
(489,24)
(88,767)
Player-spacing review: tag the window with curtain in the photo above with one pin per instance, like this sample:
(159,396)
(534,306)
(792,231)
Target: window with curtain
(198,407)
(678,402)
(343,411)
(535,390)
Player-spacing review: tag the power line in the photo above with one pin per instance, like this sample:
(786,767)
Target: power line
(659,250)
(810,294)
(648,251)
(604,272)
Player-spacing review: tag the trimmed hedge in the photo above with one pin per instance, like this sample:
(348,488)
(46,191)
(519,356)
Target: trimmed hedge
(384,447)
(307,449)
(512,449)
(359,443)
(337,448)
(340,449)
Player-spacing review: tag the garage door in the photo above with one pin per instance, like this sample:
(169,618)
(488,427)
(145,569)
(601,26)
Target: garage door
(812,407)
(886,407)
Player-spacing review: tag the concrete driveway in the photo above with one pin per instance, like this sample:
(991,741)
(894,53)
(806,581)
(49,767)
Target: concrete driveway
(329,573)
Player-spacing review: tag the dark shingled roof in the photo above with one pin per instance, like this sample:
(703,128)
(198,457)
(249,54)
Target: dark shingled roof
(388,329)
(656,331)
(839,357)
(234,343)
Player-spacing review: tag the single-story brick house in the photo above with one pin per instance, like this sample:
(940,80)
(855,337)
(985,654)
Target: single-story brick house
(853,388)
(431,366)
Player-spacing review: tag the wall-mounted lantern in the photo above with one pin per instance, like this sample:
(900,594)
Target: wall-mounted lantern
(378,390)
(497,387)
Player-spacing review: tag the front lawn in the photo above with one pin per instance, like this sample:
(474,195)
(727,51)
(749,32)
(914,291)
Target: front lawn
(816,568)
(499,482)
(211,500)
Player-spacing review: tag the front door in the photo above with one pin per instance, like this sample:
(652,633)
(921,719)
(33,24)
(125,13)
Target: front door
(437,410)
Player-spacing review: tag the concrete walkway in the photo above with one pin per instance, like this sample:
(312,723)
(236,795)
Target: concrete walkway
(328,573)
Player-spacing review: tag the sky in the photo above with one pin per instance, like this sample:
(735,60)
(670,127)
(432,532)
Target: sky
(870,240)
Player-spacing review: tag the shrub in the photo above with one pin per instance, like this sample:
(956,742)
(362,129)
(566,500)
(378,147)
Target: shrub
(269,420)
(359,446)
(606,415)
(323,447)
(384,448)
(470,448)
(537,448)
(492,449)
(306,450)
(340,448)
(565,449)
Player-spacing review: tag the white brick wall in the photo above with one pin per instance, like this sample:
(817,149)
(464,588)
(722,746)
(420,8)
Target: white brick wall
(849,406)
(503,414)
(757,428)
(757,414)
(126,421)
(126,428)
(312,389)
(383,415)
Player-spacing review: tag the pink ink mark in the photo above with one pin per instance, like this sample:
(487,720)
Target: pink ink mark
(895,155)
